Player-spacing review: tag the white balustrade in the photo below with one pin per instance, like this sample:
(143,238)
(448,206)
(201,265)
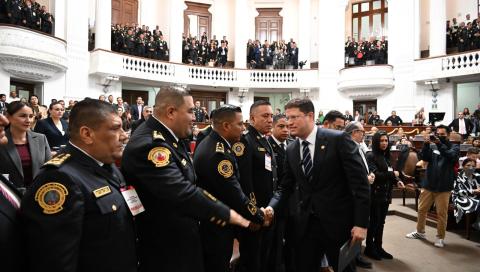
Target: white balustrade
(462,64)
(104,62)
(31,55)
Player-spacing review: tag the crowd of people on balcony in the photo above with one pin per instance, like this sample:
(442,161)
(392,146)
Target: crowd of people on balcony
(369,52)
(203,52)
(277,55)
(26,13)
(464,35)
(139,41)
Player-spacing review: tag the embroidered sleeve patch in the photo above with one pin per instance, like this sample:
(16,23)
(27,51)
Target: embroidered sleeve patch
(160,156)
(225,168)
(51,197)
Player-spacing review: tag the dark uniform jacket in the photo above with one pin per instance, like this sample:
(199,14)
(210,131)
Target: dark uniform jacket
(163,174)
(76,218)
(218,173)
(251,153)
(11,241)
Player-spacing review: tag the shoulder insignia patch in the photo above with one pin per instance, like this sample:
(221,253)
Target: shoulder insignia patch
(225,168)
(238,149)
(157,136)
(51,197)
(220,148)
(160,156)
(58,160)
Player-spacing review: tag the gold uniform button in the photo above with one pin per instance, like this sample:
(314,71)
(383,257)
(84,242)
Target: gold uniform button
(114,208)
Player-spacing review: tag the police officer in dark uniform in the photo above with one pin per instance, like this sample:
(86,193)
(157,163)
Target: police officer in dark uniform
(198,112)
(30,16)
(74,215)
(258,172)
(218,172)
(129,43)
(157,162)
(140,45)
(282,249)
(14,11)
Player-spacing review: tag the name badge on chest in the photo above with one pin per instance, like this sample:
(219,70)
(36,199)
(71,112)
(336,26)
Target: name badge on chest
(133,201)
(268,162)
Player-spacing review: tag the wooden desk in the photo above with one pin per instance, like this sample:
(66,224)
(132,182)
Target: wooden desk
(408,130)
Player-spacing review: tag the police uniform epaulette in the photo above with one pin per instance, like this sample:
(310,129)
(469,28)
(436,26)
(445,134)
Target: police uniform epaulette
(220,148)
(58,160)
(157,136)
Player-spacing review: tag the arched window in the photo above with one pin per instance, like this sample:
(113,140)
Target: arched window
(369,19)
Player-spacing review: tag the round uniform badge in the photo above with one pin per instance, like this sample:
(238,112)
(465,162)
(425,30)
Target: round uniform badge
(51,197)
(238,149)
(160,156)
(225,168)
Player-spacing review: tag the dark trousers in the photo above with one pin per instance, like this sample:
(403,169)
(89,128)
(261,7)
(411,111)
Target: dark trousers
(378,213)
(217,246)
(255,249)
(313,245)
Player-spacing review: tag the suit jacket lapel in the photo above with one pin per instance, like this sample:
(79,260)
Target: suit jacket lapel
(321,145)
(33,145)
(13,153)
(296,160)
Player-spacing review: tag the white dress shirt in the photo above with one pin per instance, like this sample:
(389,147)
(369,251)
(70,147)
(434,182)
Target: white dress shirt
(279,143)
(312,137)
(462,130)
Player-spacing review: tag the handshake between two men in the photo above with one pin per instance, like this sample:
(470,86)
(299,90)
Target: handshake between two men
(237,219)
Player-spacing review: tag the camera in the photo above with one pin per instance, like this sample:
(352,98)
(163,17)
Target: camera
(432,137)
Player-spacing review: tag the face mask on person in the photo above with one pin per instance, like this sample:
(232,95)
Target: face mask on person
(469,171)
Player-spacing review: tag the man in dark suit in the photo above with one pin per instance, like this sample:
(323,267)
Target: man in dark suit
(294,56)
(3,103)
(147,111)
(137,109)
(333,188)
(282,250)
(157,162)
(217,171)
(258,172)
(10,228)
(348,116)
(395,119)
(75,206)
(461,125)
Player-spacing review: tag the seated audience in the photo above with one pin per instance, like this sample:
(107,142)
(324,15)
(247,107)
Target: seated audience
(54,127)
(466,193)
(26,151)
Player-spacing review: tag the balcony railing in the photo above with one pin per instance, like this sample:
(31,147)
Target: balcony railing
(30,54)
(107,63)
(461,64)
(366,81)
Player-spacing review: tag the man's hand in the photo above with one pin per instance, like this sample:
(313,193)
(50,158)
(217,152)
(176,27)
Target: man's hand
(254,227)
(396,173)
(371,178)
(400,184)
(237,219)
(358,234)
(268,212)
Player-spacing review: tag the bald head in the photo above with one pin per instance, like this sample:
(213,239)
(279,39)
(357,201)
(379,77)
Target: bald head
(169,97)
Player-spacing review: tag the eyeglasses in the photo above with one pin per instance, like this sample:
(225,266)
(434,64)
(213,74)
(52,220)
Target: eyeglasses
(294,117)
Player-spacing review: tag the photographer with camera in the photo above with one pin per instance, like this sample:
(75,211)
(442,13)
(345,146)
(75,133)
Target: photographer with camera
(441,155)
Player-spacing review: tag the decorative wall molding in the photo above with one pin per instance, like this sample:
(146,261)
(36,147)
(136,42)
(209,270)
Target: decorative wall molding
(31,55)
(366,81)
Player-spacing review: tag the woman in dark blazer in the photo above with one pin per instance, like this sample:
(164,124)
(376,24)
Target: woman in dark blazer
(26,151)
(380,194)
(54,127)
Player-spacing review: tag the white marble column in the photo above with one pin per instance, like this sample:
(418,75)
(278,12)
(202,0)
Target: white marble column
(59,14)
(417,31)
(241,33)
(177,8)
(438,17)
(103,22)
(304,30)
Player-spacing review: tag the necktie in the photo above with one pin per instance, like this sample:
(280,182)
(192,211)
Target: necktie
(307,159)
(282,145)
